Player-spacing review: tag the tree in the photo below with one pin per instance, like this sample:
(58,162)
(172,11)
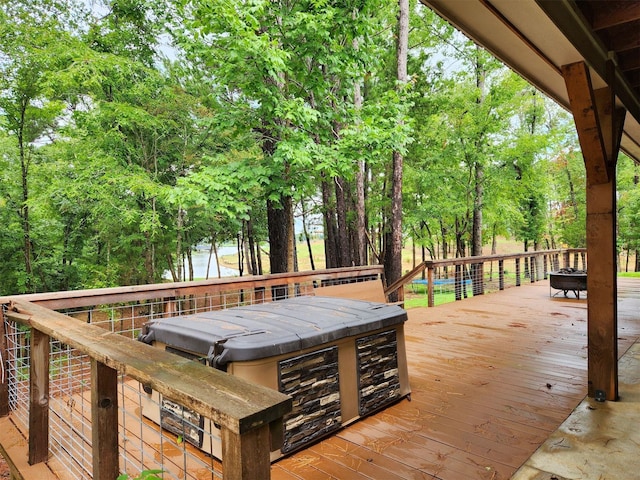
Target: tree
(628,211)
(33,45)
(393,243)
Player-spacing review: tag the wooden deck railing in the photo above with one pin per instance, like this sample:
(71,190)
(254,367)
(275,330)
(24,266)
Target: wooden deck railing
(244,411)
(471,270)
(102,325)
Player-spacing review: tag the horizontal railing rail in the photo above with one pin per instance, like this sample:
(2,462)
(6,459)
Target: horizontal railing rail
(84,357)
(537,265)
(244,411)
(264,287)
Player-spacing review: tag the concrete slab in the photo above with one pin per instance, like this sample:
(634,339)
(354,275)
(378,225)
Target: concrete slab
(599,441)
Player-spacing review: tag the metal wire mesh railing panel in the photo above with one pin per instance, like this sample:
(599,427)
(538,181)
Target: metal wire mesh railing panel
(144,445)
(128,319)
(16,369)
(464,280)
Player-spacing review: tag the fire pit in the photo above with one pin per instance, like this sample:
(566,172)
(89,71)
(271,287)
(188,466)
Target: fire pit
(568,280)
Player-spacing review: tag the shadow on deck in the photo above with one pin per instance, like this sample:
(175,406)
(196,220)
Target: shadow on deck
(492,379)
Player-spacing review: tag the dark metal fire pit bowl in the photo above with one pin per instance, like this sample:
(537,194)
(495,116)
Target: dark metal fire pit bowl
(568,280)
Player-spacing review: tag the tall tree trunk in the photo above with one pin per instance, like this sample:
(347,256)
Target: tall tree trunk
(240,253)
(150,251)
(306,235)
(393,253)
(252,247)
(478,164)
(330,228)
(476,233)
(361,225)
(247,249)
(478,197)
(278,222)
(24,207)
(344,252)
(179,229)
(477,274)
(572,192)
(292,252)
(259,259)
(190,263)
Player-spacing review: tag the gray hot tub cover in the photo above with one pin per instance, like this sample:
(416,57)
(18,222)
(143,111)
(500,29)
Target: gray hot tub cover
(268,329)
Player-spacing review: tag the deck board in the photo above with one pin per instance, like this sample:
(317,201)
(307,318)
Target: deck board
(492,377)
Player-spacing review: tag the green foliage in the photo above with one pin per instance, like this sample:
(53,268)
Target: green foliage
(116,160)
(628,174)
(144,475)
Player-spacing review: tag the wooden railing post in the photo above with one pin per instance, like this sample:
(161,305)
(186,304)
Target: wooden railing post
(4,381)
(170,307)
(517,272)
(501,274)
(39,398)
(104,421)
(430,287)
(246,456)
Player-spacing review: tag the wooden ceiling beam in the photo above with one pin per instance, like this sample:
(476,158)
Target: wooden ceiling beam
(629,60)
(623,38)
(607,14)
(634,78)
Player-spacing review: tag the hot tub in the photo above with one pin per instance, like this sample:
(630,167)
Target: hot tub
(339,359)
(569,280)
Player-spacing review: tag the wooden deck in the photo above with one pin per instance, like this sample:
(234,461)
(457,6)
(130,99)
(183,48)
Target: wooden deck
(492,377)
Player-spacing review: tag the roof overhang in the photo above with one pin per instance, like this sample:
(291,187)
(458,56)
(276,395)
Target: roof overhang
(536,38)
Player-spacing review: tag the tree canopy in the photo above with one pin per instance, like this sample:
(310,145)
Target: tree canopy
(132,131)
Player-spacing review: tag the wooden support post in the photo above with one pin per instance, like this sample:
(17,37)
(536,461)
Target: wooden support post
(4,381)
(104,421)
(599,127)
(430,287)
(39,398)
(246,456)
(517,272)
(602,315)
(501,274)
(170,308)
